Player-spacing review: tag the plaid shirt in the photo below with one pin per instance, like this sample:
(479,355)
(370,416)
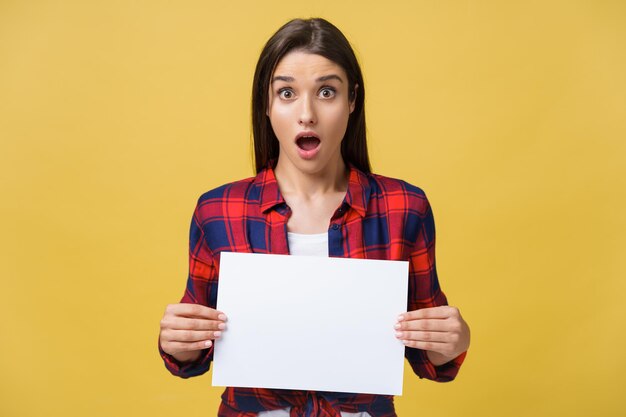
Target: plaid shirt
(380,218)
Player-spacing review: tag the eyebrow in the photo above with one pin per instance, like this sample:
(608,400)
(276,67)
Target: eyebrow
(320,79)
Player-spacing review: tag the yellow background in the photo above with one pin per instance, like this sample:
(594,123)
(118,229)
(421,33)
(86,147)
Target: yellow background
(116,115)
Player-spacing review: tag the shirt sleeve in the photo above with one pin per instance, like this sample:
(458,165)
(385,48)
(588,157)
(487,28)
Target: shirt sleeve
(201,289)
(424,291)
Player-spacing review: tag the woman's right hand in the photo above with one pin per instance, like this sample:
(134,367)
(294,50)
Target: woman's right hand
(186,329)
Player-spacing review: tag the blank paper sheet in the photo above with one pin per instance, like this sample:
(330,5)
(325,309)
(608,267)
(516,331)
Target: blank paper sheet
(310,323)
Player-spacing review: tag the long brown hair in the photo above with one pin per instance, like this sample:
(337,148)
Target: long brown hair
(320,37)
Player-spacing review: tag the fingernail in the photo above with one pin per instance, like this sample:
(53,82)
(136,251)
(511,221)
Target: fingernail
(222,317)
(208,343)
(217,334)
(405,342)
(398,334)
(221,326)
(400,317)
(397,326)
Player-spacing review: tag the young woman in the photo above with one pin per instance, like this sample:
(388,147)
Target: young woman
(313,194)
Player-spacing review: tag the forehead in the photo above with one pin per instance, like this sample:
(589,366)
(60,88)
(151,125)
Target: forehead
(299,64)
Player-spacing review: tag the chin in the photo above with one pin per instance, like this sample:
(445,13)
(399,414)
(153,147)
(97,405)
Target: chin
(309,167)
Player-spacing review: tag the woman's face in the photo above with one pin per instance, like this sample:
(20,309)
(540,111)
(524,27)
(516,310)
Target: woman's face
(309,107)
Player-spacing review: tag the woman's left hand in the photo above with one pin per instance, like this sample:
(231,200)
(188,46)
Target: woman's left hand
(441,331)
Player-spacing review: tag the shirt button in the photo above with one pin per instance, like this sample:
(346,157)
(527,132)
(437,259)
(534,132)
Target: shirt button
(335,226)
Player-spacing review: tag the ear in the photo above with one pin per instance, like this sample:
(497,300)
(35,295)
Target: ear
(353,97)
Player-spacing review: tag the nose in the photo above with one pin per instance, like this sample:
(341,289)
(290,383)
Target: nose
(307,113)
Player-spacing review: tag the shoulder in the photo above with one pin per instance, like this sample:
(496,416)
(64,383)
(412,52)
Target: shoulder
(237,193)
(231,190)
(398,193)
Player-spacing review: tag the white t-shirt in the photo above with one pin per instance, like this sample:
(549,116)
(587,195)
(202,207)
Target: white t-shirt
(307,245)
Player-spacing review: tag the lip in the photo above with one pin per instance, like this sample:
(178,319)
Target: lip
(310,154)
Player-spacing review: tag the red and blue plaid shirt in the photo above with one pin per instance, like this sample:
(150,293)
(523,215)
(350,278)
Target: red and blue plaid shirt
(380,218)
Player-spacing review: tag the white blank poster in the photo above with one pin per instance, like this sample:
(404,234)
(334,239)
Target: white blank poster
(310,323)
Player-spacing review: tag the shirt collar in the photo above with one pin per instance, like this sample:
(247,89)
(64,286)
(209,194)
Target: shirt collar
(270,194)
(357,197)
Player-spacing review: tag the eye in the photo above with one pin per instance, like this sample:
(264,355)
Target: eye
(327,92)
(285,93)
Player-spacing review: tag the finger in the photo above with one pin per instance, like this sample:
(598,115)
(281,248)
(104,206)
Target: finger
(190,335)
(438,347)
(433,325)
(187,347)
(424,336)
(183,323)
(195,310)
(440,312)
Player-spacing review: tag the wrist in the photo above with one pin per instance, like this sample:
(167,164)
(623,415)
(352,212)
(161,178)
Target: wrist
(186,357)
(437,358)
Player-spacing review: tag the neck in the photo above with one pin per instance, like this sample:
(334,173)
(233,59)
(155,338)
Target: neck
(292,181)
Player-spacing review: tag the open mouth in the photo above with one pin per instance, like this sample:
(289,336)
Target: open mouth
(307,143)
